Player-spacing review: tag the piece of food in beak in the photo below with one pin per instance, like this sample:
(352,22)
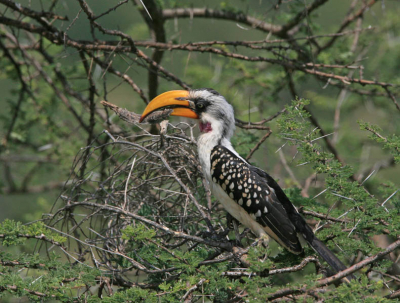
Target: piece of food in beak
(177,100)
(157,116)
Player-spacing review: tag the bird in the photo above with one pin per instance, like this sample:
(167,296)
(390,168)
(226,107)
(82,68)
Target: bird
(248,194)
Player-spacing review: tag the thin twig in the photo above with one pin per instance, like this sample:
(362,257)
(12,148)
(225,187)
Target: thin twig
(258,144)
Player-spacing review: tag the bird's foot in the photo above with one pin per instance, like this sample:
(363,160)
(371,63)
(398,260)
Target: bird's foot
(263,240)
(231,221)
(234,224)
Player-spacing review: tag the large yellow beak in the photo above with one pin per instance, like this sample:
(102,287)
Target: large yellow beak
(175,99)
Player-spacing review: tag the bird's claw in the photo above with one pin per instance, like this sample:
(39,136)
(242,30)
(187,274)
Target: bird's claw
(263,240)
(230,221)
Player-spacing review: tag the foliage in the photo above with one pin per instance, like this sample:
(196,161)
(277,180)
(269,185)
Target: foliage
(15,233)
(359,204)
(42,279)
(134,221)
(392,143)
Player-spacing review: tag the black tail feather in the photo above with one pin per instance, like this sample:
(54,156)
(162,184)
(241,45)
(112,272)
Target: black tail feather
(328,256)
(301,225)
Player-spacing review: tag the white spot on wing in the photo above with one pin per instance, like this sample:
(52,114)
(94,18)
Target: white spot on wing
(248,202)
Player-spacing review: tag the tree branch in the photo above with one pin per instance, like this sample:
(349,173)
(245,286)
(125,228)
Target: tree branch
(218,14)
(336,277)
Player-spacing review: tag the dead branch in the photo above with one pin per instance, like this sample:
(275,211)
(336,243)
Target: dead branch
(257,146)
(217,14)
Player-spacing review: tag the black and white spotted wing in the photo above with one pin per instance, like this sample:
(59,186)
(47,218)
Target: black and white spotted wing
(245,185)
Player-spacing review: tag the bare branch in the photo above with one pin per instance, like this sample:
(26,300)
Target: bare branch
(299,17)
(392,97)
(217,14)
(257,146)
(349,19)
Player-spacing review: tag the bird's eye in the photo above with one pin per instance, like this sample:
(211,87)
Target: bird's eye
(200,105)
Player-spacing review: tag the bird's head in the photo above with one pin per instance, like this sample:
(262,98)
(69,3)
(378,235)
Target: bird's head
(216,115)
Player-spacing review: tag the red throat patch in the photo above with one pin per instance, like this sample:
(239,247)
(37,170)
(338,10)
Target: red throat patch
(205,127)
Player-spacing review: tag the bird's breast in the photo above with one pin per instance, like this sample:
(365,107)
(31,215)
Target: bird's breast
(207,154)
(205,143)
(238,212)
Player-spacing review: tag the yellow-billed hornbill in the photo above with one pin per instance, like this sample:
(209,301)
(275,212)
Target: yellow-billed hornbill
(248,193)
